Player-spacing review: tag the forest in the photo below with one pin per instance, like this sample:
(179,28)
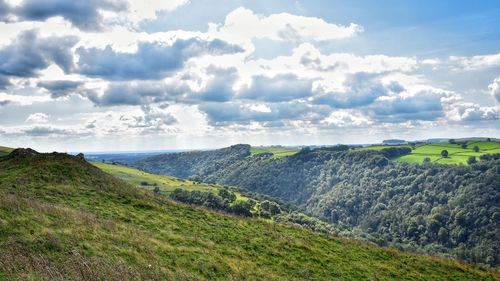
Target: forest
(449,210)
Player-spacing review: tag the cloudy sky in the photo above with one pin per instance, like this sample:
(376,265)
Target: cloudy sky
(114,75)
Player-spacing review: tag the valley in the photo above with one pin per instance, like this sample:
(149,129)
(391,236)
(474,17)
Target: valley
(68,212)
(434,208)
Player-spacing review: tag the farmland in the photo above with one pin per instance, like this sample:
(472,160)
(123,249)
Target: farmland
(277,151)
(456,154)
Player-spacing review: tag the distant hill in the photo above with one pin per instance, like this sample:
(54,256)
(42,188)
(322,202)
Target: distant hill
(5,150)
(438,209)
(394,142)
(64,219)
(185,164)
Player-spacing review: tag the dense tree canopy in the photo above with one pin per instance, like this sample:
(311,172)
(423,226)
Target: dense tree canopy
(432,208)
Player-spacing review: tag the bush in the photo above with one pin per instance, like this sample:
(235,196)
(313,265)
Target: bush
(471,160)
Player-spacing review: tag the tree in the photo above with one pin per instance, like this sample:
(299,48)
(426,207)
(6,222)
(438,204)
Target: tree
(471,160)
(243,208)
(444,153)
(269,208)
(427,160)
(451,141)
(488,139)
(226,194)
(156,190)
(464,145)
(476,148)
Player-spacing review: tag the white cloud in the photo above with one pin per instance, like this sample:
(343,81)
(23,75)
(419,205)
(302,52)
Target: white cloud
(347,118)
(494,88)
(245,24)
(147,9)
(477,62)
(463,111)
(311,57)
(38,118)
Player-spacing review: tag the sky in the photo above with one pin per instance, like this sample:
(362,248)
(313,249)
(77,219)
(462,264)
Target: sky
(111,75)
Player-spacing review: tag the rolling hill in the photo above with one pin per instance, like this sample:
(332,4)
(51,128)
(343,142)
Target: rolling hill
(64,219)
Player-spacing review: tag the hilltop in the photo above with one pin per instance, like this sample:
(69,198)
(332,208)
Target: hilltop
(63,218)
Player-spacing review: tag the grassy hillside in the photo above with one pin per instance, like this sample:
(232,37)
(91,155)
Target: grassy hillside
(68,220)
(149,181)
(277,151)
(457,154)
(5,150)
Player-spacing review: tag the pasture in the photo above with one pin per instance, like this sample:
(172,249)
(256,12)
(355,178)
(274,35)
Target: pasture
(277,151)
(456,154)
(149,181)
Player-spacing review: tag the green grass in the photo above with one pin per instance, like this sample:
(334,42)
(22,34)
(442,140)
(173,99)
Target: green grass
(5,150)
(63,219)
(277,151)
(456,154)
(380,147)
(166,184)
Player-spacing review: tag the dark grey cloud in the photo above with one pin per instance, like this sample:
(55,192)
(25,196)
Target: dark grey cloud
(363,90)
(4,10)
(138,93)
(39,131)
(28,54)
(82,14)
(425,105)
(60,88)
(4,102)
(283,87)
(152,61)
(235,112)
(4,82)
(220,87)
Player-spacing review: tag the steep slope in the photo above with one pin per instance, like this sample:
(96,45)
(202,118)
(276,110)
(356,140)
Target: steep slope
(185,164)
(64,219)
(415,207)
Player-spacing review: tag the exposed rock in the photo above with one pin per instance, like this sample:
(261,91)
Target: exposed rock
(80,156)
(23,152)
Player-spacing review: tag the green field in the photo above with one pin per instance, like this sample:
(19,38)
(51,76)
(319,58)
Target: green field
(166,184)
(63,219)
(380,147)
(456,154)
(277,151)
